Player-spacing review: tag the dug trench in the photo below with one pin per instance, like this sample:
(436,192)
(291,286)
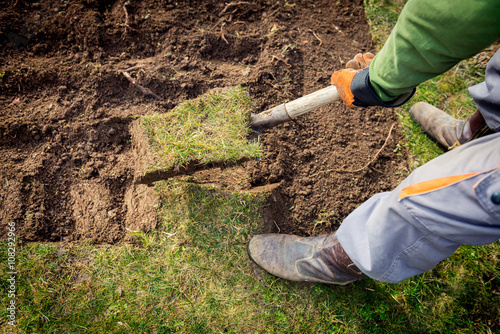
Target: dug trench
(67,110)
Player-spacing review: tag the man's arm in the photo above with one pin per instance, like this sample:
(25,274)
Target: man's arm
(429,38)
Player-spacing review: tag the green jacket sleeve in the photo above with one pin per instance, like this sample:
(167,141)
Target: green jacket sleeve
(429,38)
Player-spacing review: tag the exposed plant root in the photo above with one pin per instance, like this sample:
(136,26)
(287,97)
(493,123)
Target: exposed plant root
(145,91)
(234,4)
(126,24)
(222,33)
(319,39)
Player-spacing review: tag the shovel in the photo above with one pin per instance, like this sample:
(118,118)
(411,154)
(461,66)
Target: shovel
(153,166)
(285,112)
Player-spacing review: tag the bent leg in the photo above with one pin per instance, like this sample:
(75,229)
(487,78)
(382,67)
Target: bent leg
(441,205)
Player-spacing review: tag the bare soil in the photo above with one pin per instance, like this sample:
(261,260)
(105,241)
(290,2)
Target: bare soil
(67,110)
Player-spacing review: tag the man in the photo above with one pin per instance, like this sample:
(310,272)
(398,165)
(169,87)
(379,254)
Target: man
(452,200)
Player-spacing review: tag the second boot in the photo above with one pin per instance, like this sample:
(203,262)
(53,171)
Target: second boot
(448,131)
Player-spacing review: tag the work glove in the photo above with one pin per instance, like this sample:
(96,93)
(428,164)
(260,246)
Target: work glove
(354,87)
(342,79)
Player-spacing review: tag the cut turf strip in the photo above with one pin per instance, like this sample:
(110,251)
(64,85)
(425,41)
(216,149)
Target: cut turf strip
(209,131)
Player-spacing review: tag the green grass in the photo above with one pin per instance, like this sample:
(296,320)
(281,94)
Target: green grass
(192,274)
(382,16)
(212,128)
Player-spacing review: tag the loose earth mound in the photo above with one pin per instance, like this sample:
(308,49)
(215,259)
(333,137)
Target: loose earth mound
(66,159)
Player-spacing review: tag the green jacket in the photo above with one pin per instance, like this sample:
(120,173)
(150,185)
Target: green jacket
(429,38)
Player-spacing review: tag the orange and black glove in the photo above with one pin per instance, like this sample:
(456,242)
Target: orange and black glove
(342,79)
(353,85)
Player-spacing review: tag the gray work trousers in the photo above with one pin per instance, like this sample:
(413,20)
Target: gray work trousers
(452,200)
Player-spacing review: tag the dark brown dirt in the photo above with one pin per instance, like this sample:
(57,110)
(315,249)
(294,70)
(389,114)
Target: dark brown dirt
(66,160)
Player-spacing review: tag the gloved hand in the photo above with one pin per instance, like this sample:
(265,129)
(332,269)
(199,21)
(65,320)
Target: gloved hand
(342,78)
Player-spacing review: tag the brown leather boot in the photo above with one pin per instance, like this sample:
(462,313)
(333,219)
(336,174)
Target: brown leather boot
(447,130)
(316,259)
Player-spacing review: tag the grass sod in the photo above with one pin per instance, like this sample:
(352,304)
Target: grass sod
(192,274)
(211,129)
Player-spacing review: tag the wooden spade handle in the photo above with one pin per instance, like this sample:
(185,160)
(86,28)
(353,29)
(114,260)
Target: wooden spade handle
(285,112)
(312,101)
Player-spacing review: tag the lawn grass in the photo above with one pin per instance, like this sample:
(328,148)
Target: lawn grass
(210,129)
(192,274)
